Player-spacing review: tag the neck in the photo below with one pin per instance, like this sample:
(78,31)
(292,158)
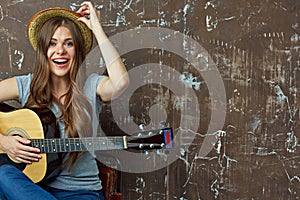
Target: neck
(59,88)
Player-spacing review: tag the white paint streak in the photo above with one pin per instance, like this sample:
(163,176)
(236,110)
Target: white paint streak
(190,80)
(1,14)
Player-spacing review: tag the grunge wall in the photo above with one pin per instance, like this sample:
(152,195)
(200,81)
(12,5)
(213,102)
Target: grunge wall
(254,45)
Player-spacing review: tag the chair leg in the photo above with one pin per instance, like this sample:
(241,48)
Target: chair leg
(108,177)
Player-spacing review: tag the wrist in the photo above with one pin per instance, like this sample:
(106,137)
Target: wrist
(1,139)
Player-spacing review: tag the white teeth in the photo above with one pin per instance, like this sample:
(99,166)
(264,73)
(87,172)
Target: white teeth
(60,60)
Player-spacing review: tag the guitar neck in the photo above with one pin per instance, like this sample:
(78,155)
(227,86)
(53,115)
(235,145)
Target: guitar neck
(60,145)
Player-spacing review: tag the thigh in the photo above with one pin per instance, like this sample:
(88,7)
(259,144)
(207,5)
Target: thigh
(14,184)
(76,194)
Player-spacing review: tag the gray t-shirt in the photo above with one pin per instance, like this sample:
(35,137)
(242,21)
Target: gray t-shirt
(84,174)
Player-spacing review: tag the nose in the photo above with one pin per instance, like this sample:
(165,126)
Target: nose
(60,49)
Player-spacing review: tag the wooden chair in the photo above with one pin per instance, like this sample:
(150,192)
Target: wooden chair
(109,176)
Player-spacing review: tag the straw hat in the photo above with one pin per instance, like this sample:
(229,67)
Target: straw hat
(37,21)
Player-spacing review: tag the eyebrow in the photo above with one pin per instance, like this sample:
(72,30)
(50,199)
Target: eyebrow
(67,39)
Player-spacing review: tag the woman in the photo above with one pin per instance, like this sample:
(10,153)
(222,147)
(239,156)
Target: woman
(61,39)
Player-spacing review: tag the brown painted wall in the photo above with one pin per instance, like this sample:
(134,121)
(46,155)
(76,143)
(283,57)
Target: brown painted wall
(233,99)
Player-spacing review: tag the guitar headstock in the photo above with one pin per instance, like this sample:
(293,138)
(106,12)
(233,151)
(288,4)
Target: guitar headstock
(151,139)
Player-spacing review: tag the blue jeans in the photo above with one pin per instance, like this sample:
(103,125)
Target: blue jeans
(15,185)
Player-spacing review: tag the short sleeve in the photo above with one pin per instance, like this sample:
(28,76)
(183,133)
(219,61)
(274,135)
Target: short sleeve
(90,88)
(23,83)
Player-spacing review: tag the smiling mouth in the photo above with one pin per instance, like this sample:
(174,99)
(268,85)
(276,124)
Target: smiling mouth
(60,62)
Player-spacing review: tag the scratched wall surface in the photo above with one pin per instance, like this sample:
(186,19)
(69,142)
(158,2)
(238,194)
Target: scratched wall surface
(255,46)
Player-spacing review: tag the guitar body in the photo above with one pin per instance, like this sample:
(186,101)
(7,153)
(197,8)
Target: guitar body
(31,124)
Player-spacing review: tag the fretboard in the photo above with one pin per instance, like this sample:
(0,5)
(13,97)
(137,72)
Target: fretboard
(57,145)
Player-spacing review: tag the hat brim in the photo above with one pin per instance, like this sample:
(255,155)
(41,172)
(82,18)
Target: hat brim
(37,21)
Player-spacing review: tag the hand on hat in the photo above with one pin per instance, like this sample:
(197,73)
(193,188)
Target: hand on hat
(89,15)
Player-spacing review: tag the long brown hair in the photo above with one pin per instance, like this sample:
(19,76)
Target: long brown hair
(76,112)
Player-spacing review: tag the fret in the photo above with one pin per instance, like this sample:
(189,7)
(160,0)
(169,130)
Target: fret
(42,145)
(59,145)
(54,146)
(67,145)
(97,144)
(47,146)
(107,143)
(103,144)
(89,144)
(72,144)
(83,146)
(79,145)
(34,143)
(93,142)
(48,143)
(63,141)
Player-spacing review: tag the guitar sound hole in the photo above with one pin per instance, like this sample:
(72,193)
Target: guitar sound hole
(18,135)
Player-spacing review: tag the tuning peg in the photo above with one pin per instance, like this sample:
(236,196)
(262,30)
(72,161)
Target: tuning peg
(142,126)
(162,123)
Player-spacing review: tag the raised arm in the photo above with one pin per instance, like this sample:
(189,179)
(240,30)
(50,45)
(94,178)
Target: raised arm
(117,81)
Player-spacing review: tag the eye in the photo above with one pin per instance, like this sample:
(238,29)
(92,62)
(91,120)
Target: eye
(52,44)
(69,43)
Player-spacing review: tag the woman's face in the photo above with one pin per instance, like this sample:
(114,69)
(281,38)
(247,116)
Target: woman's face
(61,52)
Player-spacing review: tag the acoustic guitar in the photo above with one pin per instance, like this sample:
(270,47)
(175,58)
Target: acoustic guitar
(39,126)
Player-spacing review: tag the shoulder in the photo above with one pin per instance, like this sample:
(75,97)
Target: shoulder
(24,78)
(94,78)
(23,83)
(92,82)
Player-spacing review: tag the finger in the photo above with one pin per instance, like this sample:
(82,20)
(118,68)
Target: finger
(80,10)
(25,145)
(21,160)
(26,160)
(29,156)
(87,3)
(83,10)
(86,6)
(23,140)
(83,19)
(30,149)
(89,9)
(98,14)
